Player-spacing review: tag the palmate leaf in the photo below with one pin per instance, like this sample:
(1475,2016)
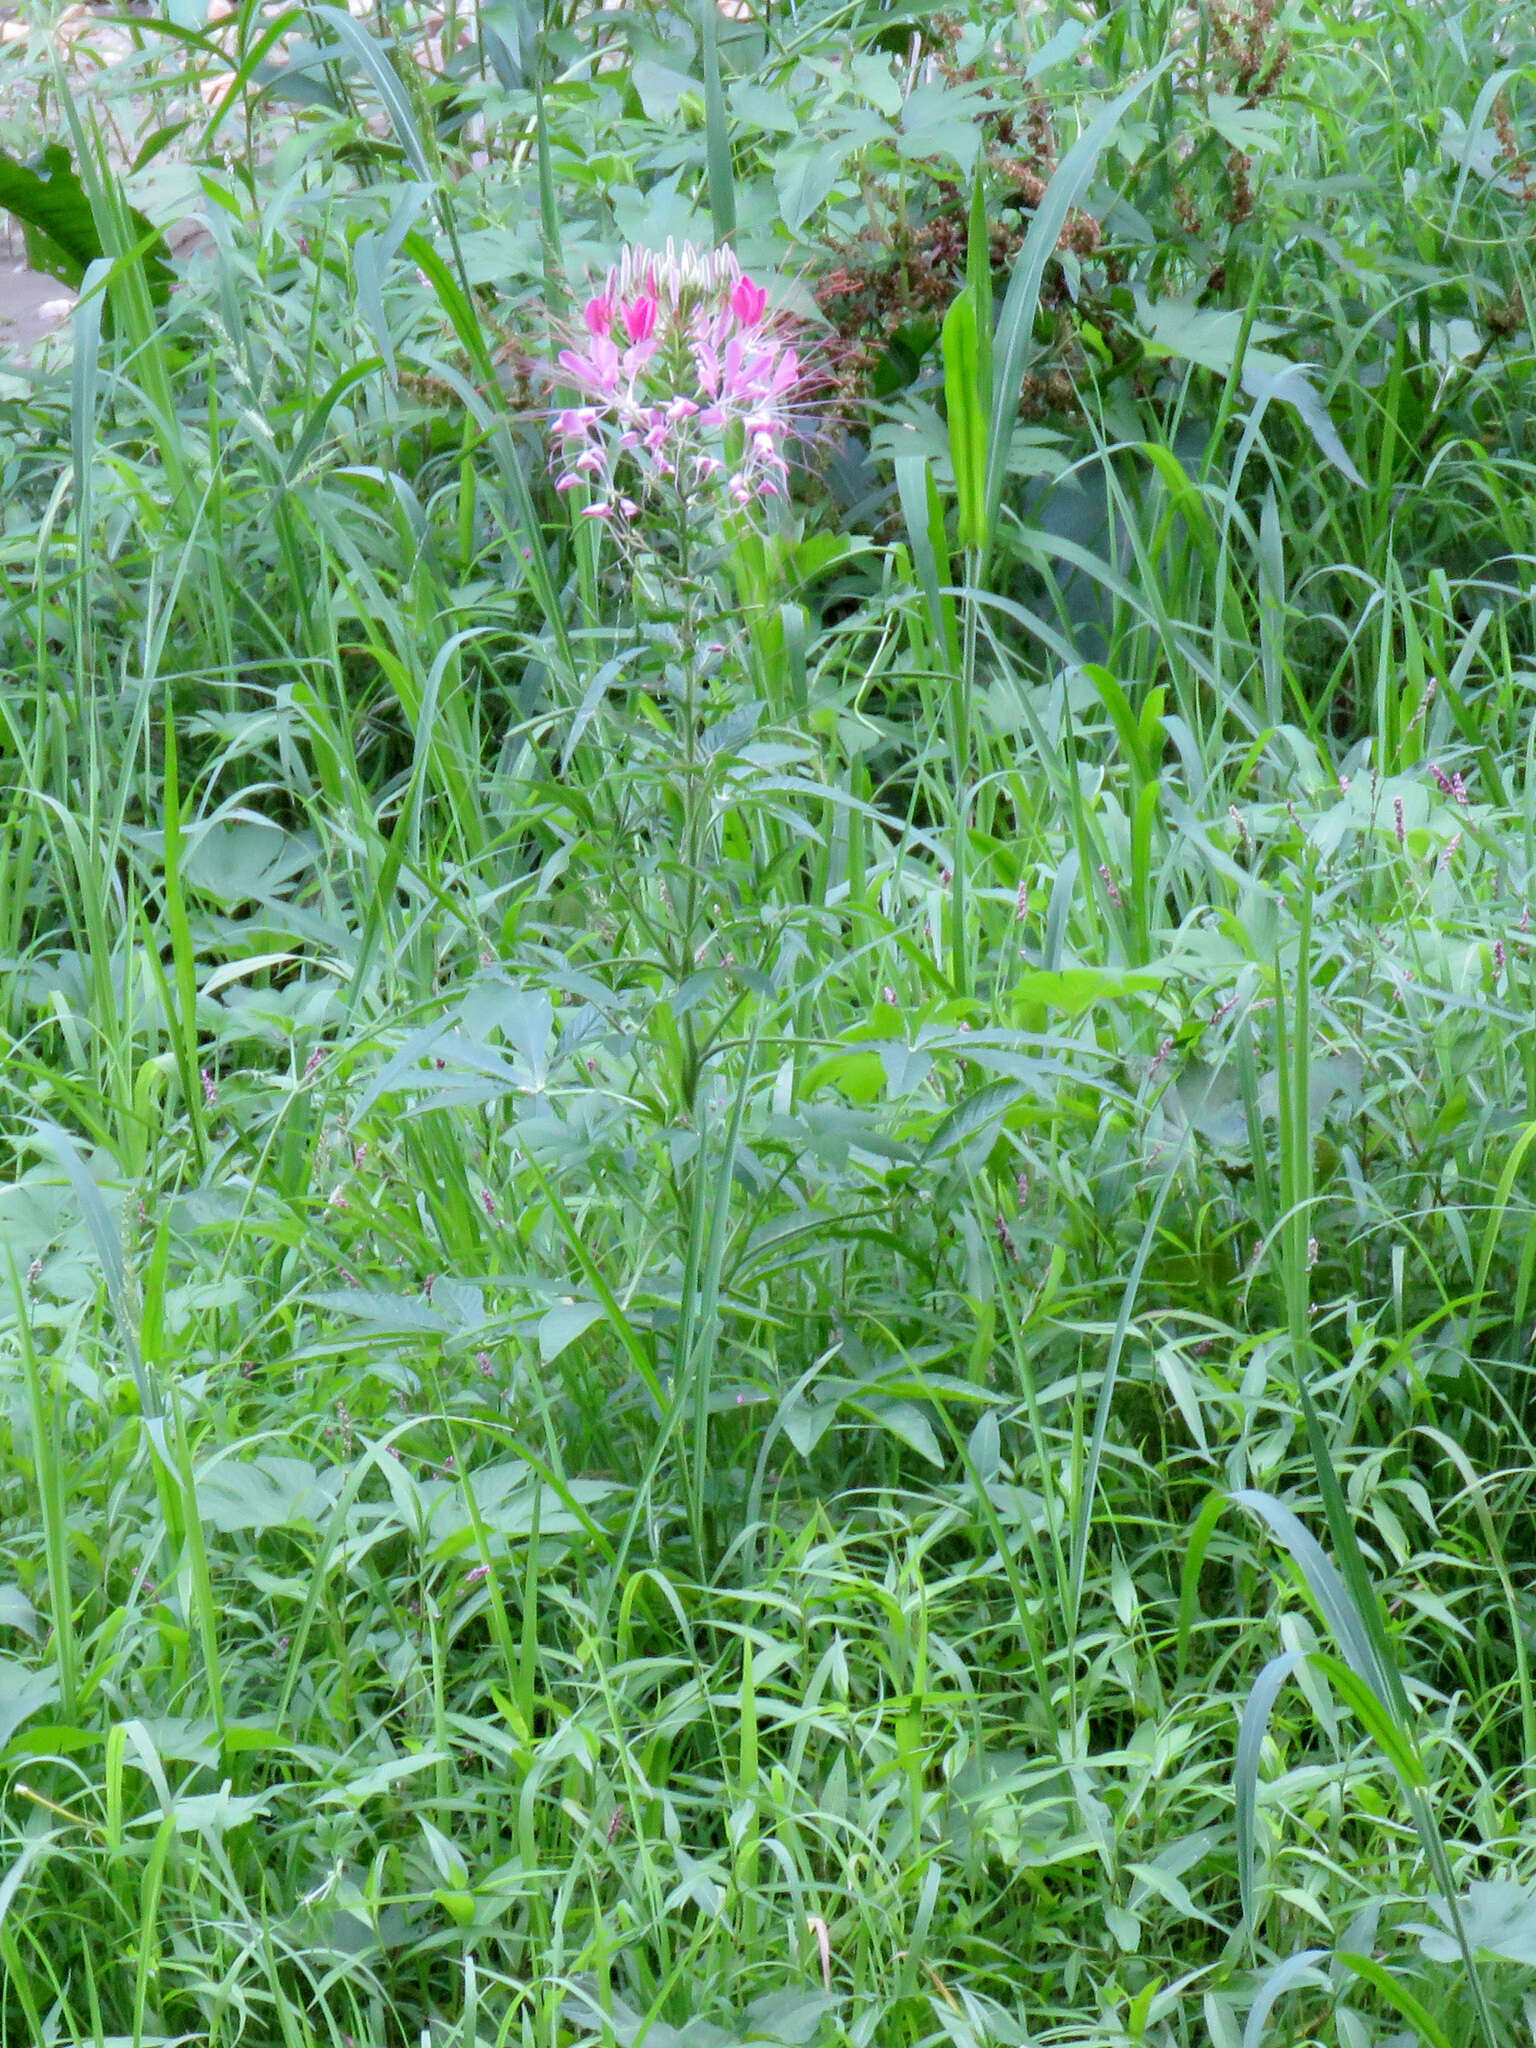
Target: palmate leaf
(62,235)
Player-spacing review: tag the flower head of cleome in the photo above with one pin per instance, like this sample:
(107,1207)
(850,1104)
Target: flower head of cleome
(688,389)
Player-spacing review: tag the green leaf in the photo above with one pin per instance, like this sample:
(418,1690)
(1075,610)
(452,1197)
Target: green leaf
(1213,336)
(941,120)
(788,2018)
(242,861)
(1254,131)
(754,106)
(264,1492)
(906,1421)
(1499,1917)
(803,179)
(661,90)
(1073,990)
(62,236)
(1291,386)
(965,404)
(1381,1979)
(986,1106)
(213,1813)
(23,1692)
(560,1326)
(717,134)
(1207,335)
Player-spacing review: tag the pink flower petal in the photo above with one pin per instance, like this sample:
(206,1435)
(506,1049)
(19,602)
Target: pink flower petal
(597,370)
(576,420)
(748,301)
(639,317)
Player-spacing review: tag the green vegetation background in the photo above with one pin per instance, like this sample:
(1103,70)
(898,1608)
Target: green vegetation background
(821,1339)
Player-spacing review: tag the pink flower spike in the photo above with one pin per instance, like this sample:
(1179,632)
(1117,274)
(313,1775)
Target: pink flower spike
(748,301)
(598,314)
(640,318)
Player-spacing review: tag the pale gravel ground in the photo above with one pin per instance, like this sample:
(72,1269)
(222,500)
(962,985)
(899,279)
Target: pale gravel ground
(31,307)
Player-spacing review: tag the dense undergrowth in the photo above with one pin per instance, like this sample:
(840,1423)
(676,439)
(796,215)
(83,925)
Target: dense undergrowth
(793,1306)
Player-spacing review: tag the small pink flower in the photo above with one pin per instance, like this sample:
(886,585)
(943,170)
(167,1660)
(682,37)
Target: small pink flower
(748,301)
(598,314)
(597,370)
(640,317)
(576,421)
(597,511)
(707,367)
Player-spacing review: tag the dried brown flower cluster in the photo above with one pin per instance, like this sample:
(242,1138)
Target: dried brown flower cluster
(1513,161)
(882,281)
(890,275)
(1052,396)
(1246,47)
(1509,318)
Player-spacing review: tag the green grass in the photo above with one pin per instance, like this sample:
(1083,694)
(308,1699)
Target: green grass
(802,1316)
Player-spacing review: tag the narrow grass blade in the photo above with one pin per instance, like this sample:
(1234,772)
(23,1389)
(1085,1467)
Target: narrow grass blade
(1254,1726)
(1015,328)
(109,1250)
(1104,1406)
(1294,1970)
(717,134)
(1397,1995)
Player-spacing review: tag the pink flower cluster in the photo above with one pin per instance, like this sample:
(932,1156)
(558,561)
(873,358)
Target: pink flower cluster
(688,385)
